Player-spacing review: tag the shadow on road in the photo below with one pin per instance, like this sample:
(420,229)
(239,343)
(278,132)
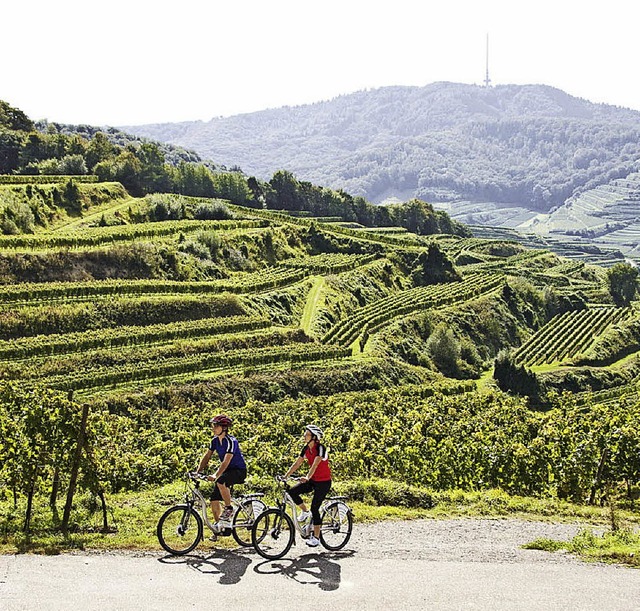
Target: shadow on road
(230,565)
(322,569)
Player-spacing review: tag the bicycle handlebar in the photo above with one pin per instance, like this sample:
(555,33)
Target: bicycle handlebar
(197,476)
(282,479)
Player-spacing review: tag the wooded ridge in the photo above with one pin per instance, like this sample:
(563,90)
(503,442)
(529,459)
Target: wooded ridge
(532,145)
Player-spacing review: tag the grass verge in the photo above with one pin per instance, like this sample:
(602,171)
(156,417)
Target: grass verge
(620,547)
(132,517)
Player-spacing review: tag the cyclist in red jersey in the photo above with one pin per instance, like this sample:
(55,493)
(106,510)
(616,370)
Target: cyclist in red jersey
(318,479)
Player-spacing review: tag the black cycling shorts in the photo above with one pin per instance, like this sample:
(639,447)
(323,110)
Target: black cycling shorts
(228,478)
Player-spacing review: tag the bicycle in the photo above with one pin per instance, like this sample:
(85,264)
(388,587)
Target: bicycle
(274,530)
(181,527)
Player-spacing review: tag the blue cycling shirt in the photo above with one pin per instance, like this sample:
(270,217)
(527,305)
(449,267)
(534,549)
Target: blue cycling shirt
(229,445)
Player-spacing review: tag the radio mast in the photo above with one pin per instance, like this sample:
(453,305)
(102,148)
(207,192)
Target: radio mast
(487,80)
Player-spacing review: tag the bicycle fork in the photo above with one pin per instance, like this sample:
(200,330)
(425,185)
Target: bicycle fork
(186,516)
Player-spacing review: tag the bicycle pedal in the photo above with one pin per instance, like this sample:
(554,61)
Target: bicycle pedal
(225,532)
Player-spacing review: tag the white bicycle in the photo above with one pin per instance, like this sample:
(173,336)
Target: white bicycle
(274,530)
(181,527)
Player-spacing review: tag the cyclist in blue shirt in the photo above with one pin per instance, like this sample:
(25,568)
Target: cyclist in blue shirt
(232,469)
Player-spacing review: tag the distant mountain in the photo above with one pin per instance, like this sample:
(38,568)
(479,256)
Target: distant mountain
(525,145)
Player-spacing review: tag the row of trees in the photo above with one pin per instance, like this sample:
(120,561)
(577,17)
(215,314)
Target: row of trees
(285,192)
(142,167)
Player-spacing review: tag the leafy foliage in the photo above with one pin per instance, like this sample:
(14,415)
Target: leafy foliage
(622,279)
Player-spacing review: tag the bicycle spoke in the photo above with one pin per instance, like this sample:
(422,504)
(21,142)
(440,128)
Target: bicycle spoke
(337,525)
(273,534)
(179,530)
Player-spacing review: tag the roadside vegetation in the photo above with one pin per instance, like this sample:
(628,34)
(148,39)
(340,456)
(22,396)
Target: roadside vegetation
(429,356)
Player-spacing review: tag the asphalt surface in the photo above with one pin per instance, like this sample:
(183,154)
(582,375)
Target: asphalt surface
(444,564)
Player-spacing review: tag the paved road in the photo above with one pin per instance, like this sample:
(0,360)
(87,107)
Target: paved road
(451,564)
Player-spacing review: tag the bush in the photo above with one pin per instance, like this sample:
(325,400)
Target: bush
(444,349)
(387,492)
(214,211)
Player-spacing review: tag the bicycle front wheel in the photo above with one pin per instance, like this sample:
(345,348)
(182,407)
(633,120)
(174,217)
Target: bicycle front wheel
(243,520)
(179,529)
(272,534)
(337,525)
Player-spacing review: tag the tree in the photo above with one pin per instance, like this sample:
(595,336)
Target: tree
(153,174)
(622,280)
(286,191)
(99,149)
(14,119)
(125,168)
(10,146)
(432,266)
(444,349)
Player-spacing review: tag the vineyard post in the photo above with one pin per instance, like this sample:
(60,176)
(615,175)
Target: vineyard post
(598,479)
(74,468)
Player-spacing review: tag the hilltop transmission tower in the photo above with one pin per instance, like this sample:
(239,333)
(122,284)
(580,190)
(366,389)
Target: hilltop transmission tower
(487,80)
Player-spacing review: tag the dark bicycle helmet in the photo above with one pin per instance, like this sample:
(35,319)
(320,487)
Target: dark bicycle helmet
(314,430)
(222,420)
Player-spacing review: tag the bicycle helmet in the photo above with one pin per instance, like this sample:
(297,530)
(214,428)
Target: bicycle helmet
(314,430)
(222,420)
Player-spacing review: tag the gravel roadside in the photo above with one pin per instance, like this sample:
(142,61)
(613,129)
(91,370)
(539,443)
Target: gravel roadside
(442,564)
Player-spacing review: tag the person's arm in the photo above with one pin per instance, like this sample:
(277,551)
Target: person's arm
(295,466)
(224,464)
(314,466)
(205,461)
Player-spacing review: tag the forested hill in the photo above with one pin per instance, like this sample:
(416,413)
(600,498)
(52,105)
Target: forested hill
(527,144)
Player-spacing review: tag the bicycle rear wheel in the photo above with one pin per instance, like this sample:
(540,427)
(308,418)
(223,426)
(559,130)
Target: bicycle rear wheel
(179,529)
(337,525)
(243,520)
(272,534)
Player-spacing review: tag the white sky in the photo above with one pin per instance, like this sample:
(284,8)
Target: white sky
(146,61)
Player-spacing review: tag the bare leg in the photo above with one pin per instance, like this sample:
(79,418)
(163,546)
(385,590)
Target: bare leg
(225,493)
(216,510)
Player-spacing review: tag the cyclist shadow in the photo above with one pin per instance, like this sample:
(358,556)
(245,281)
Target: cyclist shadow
(309,569)
(230,565)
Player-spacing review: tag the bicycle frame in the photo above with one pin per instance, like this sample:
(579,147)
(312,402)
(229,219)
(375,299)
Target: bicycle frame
(287,501)
(196,498)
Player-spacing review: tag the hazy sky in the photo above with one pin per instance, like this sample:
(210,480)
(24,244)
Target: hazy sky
(145,61)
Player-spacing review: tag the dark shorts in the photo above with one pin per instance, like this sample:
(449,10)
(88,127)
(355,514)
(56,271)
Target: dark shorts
(228,478)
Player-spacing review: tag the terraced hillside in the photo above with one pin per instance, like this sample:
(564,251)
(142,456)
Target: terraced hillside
(606,215)
(109,303)
(145,327)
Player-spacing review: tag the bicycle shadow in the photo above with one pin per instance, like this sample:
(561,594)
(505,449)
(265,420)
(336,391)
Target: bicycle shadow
(231,565)
(319,569)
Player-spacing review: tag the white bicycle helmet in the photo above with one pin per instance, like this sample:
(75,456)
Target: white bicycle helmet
(314,430)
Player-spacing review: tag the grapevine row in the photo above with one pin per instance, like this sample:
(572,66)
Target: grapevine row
(97,236)
(377,314)
(144,355)
(19,179)
(566,335)
(41,345)
(196,364)
(30,294)
(330,263)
